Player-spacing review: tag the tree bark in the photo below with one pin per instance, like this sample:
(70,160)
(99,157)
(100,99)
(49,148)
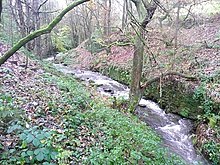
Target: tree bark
(109,17)
(21,18)
(37,22)
(135,90)
(145,12)
(125,14)
(105,17)
(39,32)
(0,10)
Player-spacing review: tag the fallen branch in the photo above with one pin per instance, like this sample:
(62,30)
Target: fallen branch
(168,74)
(40,32)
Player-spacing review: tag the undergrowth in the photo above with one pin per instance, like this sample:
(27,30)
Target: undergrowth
(211,115)
(86,132)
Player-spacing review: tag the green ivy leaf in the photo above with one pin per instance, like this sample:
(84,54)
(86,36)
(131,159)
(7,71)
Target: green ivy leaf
(40,136)
(37,151)
(45,151)
(24,144)
(30,153)
(40,156)
(36,142)
(23,136)
(30,138)
(12,151)
(23,154)
(47,134)
(53,155)
(46,163)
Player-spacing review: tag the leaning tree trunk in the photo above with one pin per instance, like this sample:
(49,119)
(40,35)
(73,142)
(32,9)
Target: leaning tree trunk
(39,32)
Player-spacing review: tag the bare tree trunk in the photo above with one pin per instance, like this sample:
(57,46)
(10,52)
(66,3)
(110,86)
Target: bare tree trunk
(11,31)
(28,21)
(135,90)
(0,10)
(37,46)
(21,18)
(142,7)
(177,26)
(13,12)
(125,14)
(109,17)
(105,17)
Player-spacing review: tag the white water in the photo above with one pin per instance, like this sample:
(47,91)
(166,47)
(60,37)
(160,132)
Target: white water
(174,130)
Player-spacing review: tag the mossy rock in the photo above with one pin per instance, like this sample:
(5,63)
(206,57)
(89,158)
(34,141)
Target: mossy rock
(119,74)
(175,96)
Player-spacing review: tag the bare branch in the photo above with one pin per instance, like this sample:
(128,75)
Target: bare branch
(191,78)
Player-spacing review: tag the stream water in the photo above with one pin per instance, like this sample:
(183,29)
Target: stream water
(174,130)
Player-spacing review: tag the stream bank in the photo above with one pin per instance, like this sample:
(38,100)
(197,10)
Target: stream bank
(191,100)
(180,97)
(174,130)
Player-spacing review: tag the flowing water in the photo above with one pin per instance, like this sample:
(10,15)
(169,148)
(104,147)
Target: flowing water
(174,130)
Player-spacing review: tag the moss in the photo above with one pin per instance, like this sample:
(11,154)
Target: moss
(177,96)
(119,74)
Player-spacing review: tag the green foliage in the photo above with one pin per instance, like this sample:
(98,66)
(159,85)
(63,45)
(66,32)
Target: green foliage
(120,139)
(93,45)
(120,103)
(61,39)
(213,120)
(185,112)
(213,150)
(211,147)
(205,102)
(119,74)
(35,145)
(8,112)
(86,132)
(207,105)
(125,140)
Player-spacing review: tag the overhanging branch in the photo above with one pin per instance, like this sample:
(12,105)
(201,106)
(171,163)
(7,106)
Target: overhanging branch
(191,78)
